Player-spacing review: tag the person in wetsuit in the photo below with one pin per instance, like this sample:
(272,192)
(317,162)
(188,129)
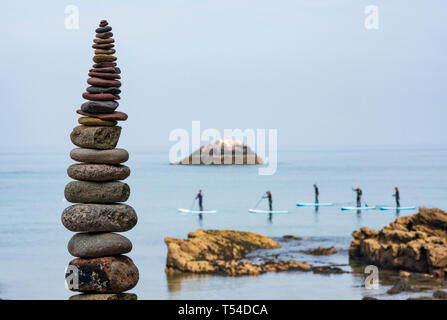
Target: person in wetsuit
(200,198)
(268,195)
(359,196)
(317,193)
(397,196)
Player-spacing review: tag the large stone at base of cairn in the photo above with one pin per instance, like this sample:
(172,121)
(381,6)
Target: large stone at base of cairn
(113,274)
(104,296)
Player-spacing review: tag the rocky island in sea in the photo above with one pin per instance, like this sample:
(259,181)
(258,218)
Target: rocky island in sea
(223,151)
(100,269)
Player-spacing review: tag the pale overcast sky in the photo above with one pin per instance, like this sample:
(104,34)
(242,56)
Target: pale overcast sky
(308,68)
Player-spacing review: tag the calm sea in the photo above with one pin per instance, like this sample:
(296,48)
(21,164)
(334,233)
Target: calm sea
(33,241)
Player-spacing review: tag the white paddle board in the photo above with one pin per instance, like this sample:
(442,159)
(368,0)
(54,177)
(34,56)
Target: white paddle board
(266,211)
(196,211)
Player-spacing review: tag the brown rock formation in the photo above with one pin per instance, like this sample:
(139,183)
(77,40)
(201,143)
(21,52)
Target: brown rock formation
(414,243)
(215,251)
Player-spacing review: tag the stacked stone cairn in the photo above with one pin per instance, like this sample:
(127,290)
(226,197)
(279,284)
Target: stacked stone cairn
(100,270)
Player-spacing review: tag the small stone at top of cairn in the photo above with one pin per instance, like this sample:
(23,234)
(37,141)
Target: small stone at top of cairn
(99,211)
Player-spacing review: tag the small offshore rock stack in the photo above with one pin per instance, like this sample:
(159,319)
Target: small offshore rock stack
(102,269)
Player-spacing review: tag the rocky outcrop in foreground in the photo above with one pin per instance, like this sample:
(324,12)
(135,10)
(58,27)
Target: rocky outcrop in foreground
(100,269)
(415,243)
(223,252)
(223,151)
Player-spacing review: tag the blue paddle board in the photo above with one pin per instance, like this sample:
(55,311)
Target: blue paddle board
(358,208)
(398,208)
(323,204)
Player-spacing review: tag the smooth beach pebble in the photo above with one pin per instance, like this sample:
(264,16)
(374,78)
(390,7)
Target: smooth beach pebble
(104,296)
(104,51)
(112,90)
(114,156)
(99,96)
(103,82)
(104,64)
(109,76)
(103,23)
(106,70)
(95,137)
(103,29)
(99,106)
(99,218)
(92,245)
(96,192)
(117,115)
(103,58)
(104,41)
(104,35)
(106,274)
(88,121)
(103,46)
(98,172)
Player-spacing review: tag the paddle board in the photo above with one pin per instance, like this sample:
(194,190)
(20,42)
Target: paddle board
(323,204)
(397,208)
(266,211)
(358,208)
(196,211)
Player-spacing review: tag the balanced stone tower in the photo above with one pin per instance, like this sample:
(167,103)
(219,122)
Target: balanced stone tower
(100,269)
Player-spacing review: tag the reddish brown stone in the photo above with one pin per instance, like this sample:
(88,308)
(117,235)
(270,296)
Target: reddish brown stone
(103,41)
(106,70)
(103,51)
(117,115)
(104,64)
(104,83)
(103,23)
(104,35)
(112,274)
(100,96)
(103,45)
(110,76)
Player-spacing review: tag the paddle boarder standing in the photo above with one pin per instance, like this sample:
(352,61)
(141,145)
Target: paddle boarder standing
(268,195)
(359,196)
(200,197)
(397,196)
(317,193)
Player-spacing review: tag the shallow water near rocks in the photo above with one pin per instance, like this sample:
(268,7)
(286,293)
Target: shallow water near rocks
(33,242)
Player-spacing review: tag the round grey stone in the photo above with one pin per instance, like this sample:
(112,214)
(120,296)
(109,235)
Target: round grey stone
(98,172)
(113,156)
(99,218)
(112,90)
(92,245)
(102,138)
(99,106)
(96,192)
